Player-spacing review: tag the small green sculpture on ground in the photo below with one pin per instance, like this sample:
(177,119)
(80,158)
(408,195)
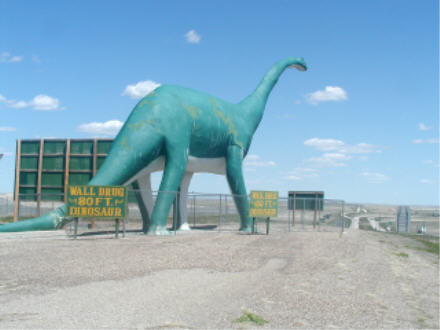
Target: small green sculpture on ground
(181,131)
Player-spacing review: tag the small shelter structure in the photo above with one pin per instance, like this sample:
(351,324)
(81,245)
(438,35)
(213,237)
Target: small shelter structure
(306,200)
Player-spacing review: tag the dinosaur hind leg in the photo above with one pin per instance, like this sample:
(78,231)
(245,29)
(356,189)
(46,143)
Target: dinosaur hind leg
(144,196)
(175,166)
(183,225)
(147,193)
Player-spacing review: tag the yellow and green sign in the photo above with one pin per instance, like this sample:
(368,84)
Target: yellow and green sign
(263,204)
(96,201)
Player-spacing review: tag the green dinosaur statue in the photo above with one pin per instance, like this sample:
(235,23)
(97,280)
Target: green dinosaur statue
(179,130)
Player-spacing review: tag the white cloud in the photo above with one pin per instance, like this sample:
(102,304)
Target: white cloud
(340,146)
(423,127)
(428,161)
(256,161)
(425,181)
(5,57)
(375,177)
(337,152)
(13,103)
(300,173)
(192,37)
(330,93)
(108,128)
(17,104)
(7,129)
(362,148)
(39,102)
(324,144)
(44,102)
(330,160)
(429,141)
(15,59)
(140,89)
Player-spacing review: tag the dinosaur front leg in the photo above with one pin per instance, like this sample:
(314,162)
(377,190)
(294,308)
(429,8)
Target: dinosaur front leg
(175,166)
(234,174)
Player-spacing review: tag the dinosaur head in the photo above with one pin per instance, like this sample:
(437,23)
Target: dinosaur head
(298,63)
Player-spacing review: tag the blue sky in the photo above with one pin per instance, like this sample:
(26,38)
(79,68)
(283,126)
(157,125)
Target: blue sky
(360,124)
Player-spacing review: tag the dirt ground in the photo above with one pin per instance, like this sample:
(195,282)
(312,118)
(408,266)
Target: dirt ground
(320,280)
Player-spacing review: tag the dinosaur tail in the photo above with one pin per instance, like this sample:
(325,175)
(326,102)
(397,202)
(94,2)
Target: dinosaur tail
(130,152)
(52,220)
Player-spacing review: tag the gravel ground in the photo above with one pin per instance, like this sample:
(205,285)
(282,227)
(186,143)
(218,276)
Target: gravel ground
(209,279)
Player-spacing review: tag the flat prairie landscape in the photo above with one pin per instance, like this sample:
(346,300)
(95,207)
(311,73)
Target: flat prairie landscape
(359,279)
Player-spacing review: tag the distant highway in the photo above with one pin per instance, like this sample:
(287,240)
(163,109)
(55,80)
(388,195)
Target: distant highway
(355,223)
(373,223)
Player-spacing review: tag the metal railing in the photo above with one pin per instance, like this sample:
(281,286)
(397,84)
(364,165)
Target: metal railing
(218,212)
(6,207)
(203,212)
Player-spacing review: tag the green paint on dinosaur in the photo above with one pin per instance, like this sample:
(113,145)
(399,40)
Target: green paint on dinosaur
(124,141)
(181,122)
(147,100)
(229,123)
(137,126)
(192,110)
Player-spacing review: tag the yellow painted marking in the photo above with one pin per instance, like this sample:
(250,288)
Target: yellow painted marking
(124,144)
(192,110)
(228,121)
(137,126)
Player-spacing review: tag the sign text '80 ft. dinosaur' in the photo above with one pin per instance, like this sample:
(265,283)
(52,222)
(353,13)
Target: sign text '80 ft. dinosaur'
(96,201)
(263,204)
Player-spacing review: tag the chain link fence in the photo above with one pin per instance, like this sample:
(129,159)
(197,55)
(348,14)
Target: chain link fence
(203,212)
(6,207)
(218,212)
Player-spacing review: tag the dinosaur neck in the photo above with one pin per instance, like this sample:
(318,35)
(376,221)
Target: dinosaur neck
(254,104)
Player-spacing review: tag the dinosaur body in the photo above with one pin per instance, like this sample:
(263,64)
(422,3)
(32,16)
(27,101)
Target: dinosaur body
(180,131)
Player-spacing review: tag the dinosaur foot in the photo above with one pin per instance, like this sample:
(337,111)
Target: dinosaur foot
(159,231)
(245,229)
(184,227)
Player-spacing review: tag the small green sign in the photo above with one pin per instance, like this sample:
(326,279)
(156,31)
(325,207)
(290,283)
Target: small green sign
(96,201)
(263,204)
